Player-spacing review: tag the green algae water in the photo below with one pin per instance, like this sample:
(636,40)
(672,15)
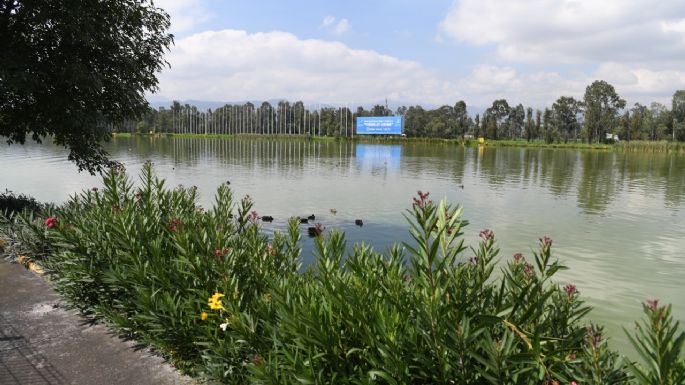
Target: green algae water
(617,220)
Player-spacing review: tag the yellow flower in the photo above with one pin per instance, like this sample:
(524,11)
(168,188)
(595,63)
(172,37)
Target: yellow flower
(215,301)
(203,315)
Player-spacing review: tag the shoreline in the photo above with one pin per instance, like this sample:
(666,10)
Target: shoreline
(625,146)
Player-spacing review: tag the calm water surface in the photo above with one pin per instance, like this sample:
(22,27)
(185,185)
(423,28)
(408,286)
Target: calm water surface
(617,220)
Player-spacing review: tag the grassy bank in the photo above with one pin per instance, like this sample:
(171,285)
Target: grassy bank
(624,146)
(228,303)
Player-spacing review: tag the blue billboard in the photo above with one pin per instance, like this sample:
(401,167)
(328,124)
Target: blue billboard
(384,125)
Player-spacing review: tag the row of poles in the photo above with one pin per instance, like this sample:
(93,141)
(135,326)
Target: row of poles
(282,120)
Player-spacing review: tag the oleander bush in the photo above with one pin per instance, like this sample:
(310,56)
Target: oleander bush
(12,204)
(21,237)
(223,301)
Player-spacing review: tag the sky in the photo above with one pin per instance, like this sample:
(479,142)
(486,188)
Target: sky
(426,52)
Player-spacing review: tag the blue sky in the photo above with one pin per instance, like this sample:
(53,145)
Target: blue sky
(423,52)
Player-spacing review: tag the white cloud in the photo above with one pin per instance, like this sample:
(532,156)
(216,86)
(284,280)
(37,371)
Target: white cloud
(572,31)
(235,65)
(339,28)
(487,83)
(328,21)
(186,15)
(674,26)
(636,45)
(232,65)
(342,27)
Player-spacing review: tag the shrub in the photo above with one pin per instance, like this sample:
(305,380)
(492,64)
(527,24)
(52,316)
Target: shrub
(224,301)
(12,204)
(20,234)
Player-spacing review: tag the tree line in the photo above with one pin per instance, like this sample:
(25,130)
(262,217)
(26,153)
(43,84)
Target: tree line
(600,115)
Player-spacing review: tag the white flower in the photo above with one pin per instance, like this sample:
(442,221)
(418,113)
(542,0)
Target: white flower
(223,326)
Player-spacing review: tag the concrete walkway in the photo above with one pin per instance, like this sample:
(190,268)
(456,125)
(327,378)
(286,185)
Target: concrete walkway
(43,343)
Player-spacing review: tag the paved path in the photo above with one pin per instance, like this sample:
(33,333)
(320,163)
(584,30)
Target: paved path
(42,343)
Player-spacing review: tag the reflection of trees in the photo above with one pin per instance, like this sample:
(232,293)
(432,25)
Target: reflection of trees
(598,184)
(288,156)
(528,167)
(651,172)
(598,177)
(557,169)
(433,158)
(500,166)
(672,169)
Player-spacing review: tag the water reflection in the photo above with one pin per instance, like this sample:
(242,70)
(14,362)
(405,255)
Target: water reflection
(379,159)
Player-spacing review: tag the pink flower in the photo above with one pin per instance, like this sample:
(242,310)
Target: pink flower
(653,304)
(529,270)
(486,234)
(50,222)
(570,290)
(253,217)
(518,257)
(573,383)
(422,201)
(173,225)
(546,241)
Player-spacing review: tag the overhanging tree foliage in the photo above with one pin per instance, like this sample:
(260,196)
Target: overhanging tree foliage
(70,68)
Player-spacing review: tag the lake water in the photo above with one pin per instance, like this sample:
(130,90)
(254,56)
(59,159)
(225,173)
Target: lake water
(617,220)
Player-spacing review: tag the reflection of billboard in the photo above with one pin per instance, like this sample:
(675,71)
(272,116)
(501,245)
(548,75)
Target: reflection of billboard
(384,125)
(378,156)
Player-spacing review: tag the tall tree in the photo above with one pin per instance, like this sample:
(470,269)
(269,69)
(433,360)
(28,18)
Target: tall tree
(515,121)
(566,111)
(678,113)
(70,68)
(602,105)
(379,110)
(461,118)
(662,120)
(497,117)
(638,124)
(530,125)
(548,124)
